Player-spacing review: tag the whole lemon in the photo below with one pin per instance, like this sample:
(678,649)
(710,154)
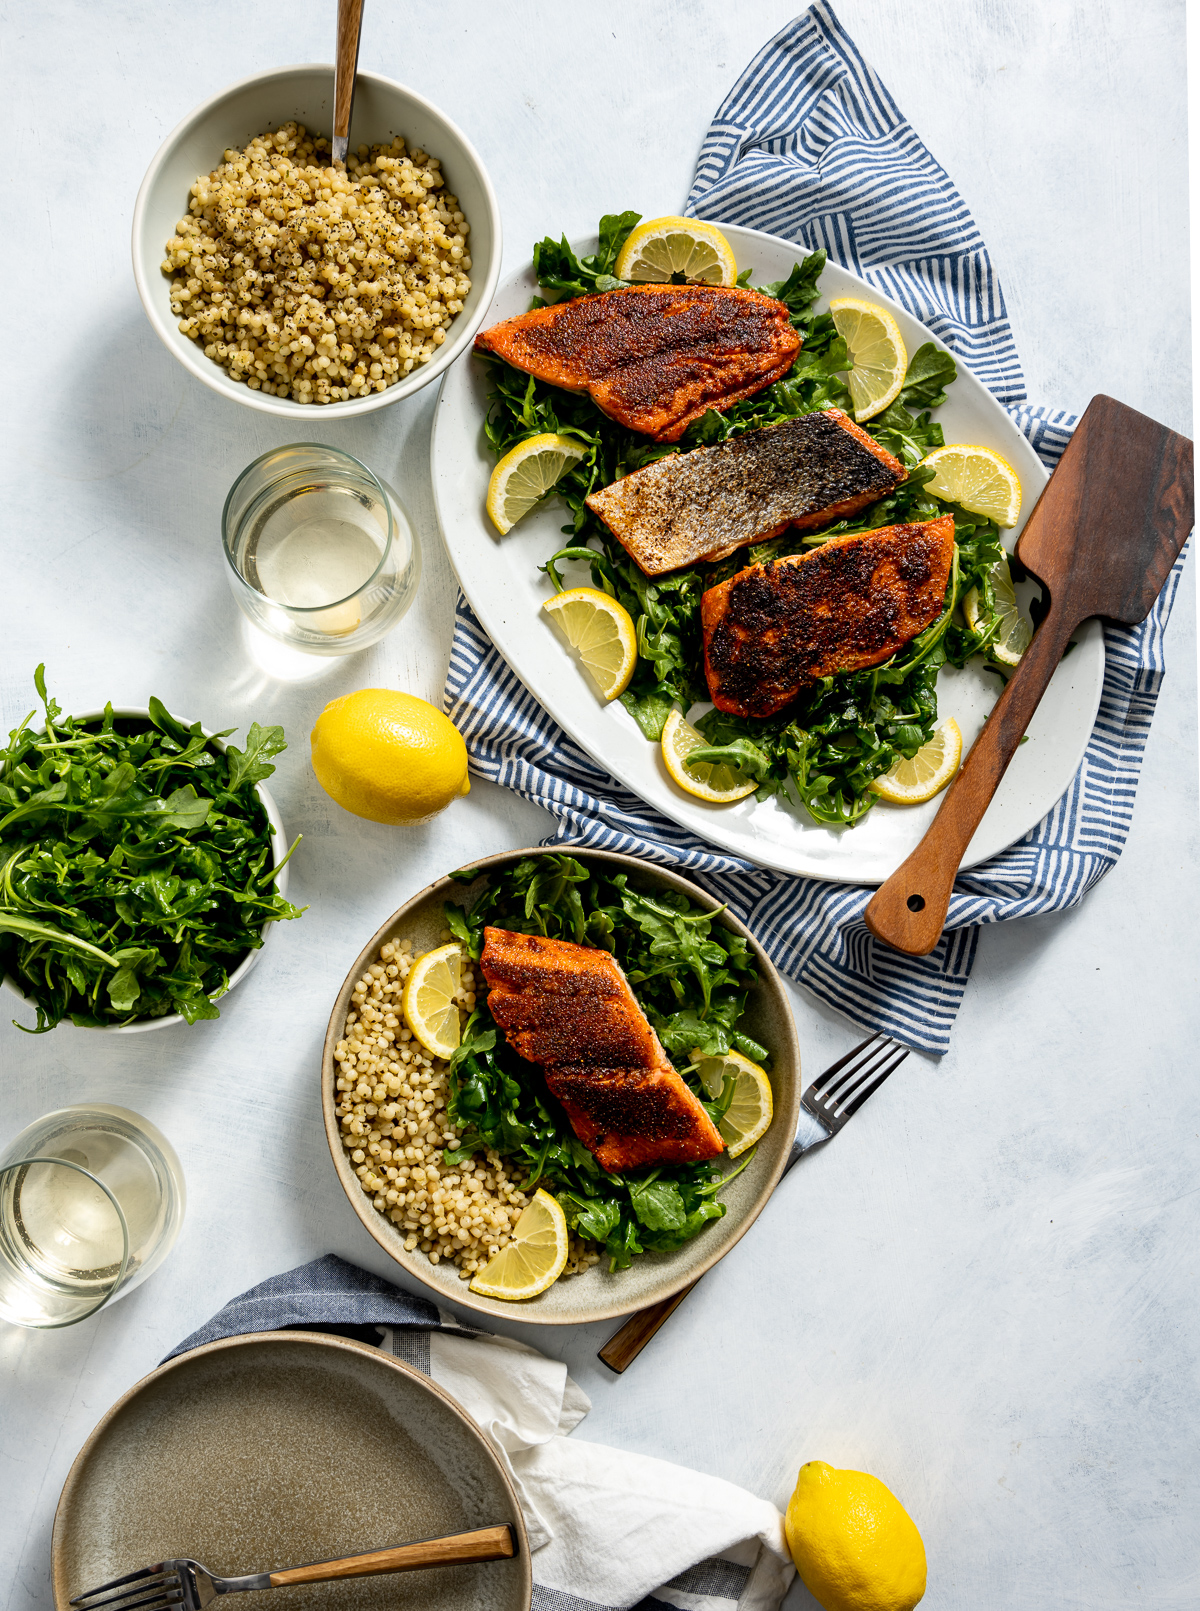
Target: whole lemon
(854,1544)
(388,756)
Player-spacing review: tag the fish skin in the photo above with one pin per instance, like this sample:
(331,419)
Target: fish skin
(569,1009)
(774,629)
(704,504)
(653,357)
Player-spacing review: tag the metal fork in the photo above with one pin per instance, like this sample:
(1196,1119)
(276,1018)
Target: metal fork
(190,1586)
(831,1101)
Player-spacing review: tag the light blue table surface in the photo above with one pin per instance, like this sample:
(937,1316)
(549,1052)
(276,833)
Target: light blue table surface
(985,1291)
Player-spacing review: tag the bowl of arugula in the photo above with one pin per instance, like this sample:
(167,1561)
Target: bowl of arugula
(142,863)
(703,982)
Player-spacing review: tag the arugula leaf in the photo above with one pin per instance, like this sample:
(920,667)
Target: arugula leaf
(251,764)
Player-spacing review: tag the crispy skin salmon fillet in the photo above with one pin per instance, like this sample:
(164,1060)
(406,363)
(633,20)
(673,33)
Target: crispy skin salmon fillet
(653,357)
(773,629)
(709,502)
(569,1008)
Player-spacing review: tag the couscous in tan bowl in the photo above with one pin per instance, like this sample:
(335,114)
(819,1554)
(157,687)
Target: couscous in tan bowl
(485,1198)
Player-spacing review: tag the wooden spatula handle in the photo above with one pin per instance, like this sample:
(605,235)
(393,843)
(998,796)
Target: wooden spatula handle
(349,27)
(909,911)
(460,1549)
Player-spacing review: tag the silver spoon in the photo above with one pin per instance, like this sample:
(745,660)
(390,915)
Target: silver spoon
(349,27)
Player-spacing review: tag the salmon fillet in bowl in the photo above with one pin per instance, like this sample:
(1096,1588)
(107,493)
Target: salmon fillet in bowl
(438,1207)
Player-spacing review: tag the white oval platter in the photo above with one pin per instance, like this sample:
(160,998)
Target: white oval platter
(500,578)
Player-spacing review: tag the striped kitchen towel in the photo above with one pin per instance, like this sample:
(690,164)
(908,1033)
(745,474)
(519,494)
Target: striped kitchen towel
(607,1529)
(810,146)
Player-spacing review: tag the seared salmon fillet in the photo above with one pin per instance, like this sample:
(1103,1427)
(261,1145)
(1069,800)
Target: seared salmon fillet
(773,629)
(569,1008)
(704,504)
(653,357)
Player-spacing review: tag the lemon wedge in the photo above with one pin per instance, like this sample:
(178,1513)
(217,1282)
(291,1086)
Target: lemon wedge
(748,1116)
(719,784)
(429,1002)
(526,473)
(877,350)
(929,771)
(663,247)
(1016,629)
(602,633)
(535,1257)
(978,479)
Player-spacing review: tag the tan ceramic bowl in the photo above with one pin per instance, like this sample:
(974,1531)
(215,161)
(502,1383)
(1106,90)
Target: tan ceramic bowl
(596,1294)
(259,1453)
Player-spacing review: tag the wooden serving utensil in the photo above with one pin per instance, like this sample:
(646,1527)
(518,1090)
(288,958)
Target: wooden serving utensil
(349,27)
(1102,537)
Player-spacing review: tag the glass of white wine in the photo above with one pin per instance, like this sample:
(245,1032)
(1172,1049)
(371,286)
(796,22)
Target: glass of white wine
(91,1201)
(322,555)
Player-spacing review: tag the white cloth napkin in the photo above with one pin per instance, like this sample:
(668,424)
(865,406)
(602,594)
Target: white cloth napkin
(606,1528)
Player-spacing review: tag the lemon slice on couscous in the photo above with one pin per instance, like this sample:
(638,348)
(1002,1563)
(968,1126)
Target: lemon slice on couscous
(535,1257)
(430,1000)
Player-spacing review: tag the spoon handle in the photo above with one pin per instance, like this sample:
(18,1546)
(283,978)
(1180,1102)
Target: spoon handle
(908,912)
(349,27)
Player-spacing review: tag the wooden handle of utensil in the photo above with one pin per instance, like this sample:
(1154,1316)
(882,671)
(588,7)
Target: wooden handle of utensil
(349,26)
(908,912)
(460,1549)
(623,1347)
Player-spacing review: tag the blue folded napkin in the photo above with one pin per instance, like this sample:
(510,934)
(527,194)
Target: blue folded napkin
(810,146)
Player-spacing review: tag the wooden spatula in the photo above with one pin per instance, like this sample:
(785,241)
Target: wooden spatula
(1103,537)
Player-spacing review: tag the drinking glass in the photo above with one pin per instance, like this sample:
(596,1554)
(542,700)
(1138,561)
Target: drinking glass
(321,552)
(91,1201)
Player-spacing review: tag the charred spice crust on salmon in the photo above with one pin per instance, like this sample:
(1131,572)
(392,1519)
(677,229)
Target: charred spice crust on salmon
(704,505)
(653,357)
(569,1008)
(854,602)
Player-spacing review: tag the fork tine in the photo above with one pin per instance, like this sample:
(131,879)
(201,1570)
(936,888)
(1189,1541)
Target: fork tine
(167,1592)
(835,1068)
(874,1055)
(871,1085)
(116,1582)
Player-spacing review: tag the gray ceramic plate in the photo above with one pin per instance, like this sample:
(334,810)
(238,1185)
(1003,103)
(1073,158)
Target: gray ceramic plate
(596,1294)
(264,1452)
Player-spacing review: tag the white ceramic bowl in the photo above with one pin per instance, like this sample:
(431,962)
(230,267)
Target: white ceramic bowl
(382,109)
(278,852)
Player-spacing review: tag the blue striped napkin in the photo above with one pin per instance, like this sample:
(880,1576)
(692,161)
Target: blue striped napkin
(810,146)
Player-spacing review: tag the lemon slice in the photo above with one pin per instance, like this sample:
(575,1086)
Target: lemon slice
(749,1114)
(602,633)
(877,350)
(535,1257)
(663,247)
(929,771)
(526,473)
(429,1001)
(977,478)
(1016,629)
(720,784)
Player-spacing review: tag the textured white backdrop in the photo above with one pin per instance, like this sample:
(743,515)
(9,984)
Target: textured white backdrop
(985,1291)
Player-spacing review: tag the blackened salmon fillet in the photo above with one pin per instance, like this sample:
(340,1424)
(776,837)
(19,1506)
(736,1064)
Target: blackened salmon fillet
(774,629)
(703,505)
(653,357)
(569,1009)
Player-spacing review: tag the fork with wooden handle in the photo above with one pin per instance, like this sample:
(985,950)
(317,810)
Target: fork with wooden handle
(831,1101)
(1103,537)
(189,1586)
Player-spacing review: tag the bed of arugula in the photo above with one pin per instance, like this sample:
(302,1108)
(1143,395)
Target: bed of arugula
(849,728)
(691,976)
(136,867)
